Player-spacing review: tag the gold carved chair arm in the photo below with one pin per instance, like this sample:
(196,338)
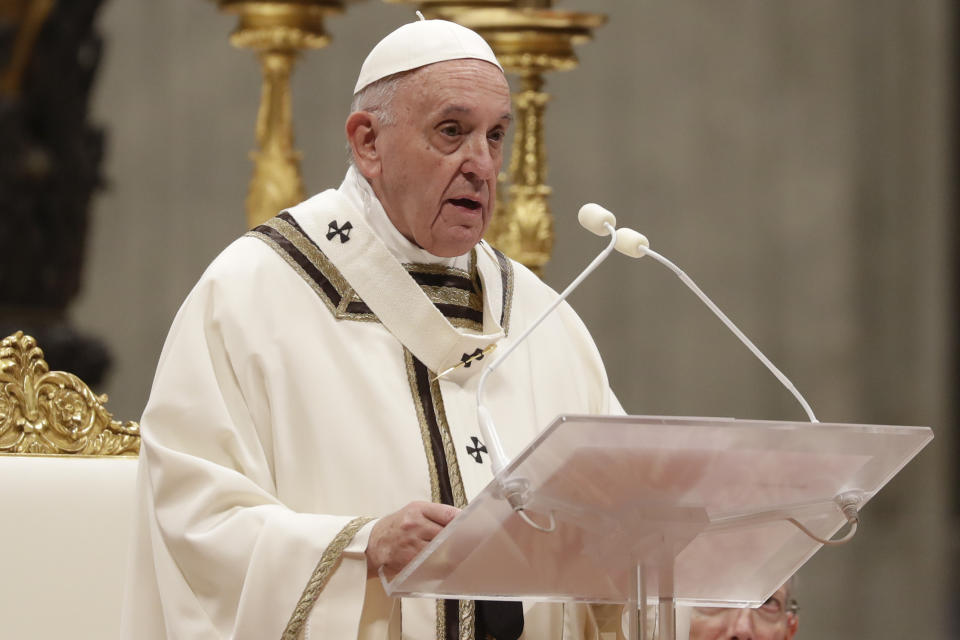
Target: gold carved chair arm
(54,412)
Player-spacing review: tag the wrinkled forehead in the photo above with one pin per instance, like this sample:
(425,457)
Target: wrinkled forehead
(470,71)
(474,83)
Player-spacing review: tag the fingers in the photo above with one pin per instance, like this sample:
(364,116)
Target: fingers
(398,537)
(441,514)
(423,520)
(427,530)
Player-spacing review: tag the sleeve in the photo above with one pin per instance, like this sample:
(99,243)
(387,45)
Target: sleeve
(613,403)
(230,560)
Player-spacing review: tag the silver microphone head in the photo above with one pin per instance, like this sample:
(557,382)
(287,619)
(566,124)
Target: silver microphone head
(593,218)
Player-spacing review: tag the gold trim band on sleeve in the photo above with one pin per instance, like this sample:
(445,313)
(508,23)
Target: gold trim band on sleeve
(321,575)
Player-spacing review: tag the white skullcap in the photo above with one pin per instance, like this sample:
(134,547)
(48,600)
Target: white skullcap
(421,43)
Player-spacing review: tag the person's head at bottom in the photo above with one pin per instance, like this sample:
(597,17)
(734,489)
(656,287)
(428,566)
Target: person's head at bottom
(776,619)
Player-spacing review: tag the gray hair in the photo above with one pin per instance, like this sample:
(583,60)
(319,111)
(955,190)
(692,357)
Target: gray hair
(792,603)
(377,97)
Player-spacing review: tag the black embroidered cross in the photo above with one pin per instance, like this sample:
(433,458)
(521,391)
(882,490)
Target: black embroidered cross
(468,358)
(343,232)
(476,449)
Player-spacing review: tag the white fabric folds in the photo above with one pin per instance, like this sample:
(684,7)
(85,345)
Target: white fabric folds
(294,400)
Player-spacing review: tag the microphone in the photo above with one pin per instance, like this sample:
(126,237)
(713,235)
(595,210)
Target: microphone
(631,243)
(601,222)
(595,219)
(634,244)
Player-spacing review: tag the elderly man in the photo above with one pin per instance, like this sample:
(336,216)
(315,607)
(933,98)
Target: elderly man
(313,414)
(775,619)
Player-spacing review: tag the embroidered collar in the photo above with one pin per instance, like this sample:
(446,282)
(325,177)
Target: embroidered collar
(336,226)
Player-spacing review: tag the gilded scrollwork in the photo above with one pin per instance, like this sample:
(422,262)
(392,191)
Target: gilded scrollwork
(54,412)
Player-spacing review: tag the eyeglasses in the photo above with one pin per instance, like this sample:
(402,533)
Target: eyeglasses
(771,611)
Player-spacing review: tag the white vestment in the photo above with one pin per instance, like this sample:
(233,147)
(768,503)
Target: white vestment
(295,401)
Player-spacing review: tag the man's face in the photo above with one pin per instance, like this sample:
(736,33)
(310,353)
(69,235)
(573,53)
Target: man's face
(771,621)
(439,160)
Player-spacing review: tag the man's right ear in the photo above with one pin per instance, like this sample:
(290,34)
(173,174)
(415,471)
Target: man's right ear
(362,128)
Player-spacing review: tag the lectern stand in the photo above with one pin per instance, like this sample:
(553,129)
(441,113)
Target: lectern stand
(689,511)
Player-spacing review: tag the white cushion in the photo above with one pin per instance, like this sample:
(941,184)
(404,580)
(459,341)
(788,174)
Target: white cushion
(66,523)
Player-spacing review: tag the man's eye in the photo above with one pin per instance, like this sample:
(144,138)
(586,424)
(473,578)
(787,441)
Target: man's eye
(451,130)
(497,136)
(773,605)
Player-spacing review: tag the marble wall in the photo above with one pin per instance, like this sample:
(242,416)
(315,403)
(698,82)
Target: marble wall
(792,157)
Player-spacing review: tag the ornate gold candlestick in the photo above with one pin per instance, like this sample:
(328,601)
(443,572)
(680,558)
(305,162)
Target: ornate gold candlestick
(529,42)
(277,30)
(529,38)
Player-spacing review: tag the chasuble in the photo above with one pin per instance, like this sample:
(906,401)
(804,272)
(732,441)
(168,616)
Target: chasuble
(297,399)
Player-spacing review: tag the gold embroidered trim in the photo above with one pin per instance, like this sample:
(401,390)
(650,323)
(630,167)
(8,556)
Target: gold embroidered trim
(441,620)
(467,613)
(449,450)
(507,269)
(322,263)
(437,269)
(321,575)
(335,310)
(313,254)
(452,295)
(424,427)
(467,609)
(444,295)
(453,468)
(466,323)
(421,267)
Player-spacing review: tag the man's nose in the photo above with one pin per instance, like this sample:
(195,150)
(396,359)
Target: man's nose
(742,626)
(479,163)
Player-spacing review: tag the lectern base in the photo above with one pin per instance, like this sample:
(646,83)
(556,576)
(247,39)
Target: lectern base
(637,623)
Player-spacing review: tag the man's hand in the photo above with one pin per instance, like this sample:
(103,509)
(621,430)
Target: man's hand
(395,539)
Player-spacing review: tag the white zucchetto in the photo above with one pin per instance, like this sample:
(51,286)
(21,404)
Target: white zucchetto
(420,43)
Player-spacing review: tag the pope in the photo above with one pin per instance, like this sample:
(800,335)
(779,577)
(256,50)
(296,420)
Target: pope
(298,437)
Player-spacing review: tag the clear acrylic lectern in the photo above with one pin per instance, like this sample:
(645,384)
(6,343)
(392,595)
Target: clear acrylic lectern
(689,511)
